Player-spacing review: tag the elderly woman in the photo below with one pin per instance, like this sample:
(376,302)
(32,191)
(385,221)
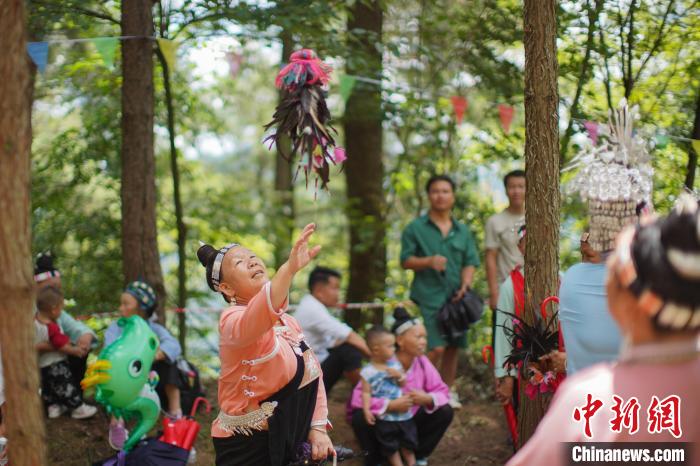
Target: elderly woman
(271,391)
(653,290)
(424,393)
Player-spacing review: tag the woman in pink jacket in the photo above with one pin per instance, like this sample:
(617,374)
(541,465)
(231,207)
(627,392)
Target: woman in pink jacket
(424,394)
(271,391)
(651,393)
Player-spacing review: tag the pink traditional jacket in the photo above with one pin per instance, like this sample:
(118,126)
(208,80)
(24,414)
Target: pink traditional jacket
(641,373)
(258,345)
(422,375)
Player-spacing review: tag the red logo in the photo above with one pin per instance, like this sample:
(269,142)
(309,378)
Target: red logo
(661,414)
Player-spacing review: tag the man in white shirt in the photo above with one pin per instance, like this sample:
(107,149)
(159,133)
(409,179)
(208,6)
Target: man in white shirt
(502,253)
(337,346)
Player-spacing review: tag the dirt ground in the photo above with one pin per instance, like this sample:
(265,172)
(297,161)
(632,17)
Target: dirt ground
(477,435)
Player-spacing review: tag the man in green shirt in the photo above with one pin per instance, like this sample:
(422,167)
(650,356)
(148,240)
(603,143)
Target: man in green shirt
(442,253)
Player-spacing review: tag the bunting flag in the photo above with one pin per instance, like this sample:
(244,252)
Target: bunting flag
(592,129)
(107,48)
(696,145)
(506,112)
(460,105)
(169,50)
(661,141)
(39,53)
(347,83)
(234,61)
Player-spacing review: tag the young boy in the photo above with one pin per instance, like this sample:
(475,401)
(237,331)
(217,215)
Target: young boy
(382,378)
(57,387)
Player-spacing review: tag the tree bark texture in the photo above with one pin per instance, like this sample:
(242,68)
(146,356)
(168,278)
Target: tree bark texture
(138,190)
(364,167)
(692,154)
(25,418)
(283,222)
(542,168)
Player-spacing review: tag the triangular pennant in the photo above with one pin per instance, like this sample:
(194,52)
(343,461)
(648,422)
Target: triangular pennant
(592,129)
(347,83)
(696,145)
(460,105)
(661,141)
(39,53)
(107,48)
(169,50)
(234,61)
(505,112)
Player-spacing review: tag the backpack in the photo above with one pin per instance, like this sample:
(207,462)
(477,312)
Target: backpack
(189,384)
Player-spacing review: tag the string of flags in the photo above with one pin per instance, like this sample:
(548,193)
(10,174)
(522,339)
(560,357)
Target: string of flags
(107,47)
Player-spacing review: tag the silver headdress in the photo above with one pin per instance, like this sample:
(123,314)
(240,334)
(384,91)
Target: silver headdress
(614,178)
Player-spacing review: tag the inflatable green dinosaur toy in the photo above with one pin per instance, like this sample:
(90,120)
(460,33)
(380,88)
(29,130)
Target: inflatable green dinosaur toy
(121,377)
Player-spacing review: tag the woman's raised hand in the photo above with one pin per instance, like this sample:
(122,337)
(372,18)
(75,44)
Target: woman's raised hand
(301,254)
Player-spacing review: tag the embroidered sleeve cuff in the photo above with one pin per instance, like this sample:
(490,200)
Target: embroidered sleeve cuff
(269,301)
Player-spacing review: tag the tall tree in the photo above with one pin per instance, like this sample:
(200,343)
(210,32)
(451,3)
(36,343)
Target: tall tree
(138,190)
(365,167)
(542,168)
(25,420)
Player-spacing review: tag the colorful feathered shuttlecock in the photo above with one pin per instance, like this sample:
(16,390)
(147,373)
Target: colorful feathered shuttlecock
(529,342)
(303,116)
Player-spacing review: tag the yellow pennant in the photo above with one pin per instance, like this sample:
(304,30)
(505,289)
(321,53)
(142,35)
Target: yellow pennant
(696,145)
(169,50)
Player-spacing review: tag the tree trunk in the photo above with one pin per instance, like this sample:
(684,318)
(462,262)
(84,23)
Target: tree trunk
(692,153)
(593,14)
(542,168)
(25,419)
(138,189)
(364,167)
(283,222)
(179,214)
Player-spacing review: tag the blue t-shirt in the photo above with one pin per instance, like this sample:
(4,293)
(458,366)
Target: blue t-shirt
(383,386)
(590,333)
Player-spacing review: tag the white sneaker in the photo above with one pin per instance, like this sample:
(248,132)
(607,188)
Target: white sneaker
(422,462)
(56,411)
(454,400)
(83,412)
(193,456)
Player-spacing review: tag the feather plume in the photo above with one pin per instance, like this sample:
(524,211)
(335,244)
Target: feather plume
(529,342)
(303,116)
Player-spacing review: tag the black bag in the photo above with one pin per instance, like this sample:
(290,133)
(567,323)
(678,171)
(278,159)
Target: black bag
(189,384)
(455,318)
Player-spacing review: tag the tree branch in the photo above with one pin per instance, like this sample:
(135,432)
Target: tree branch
(593,14)
(657,41)
(604,47)
(78,9)
(629,81)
